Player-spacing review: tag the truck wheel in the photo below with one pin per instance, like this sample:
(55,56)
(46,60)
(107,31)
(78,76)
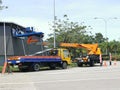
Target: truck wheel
(64,65)
(79,64)
(101,63)
(36,67)
(92,63)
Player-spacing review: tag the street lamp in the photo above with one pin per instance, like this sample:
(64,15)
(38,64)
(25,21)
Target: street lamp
(4,28)
(105,21)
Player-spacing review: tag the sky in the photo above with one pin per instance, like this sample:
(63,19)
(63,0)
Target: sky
(39,13)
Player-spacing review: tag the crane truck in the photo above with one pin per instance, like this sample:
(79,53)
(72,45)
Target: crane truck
(54,58)
(93,53)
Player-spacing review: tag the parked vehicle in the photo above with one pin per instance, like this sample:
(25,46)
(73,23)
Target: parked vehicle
(53,58)
(93,56)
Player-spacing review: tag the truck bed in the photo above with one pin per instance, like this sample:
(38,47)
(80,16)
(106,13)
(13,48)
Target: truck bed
(19,59)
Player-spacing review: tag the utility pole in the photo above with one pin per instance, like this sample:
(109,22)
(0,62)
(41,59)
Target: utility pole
(54,25)
(4,28)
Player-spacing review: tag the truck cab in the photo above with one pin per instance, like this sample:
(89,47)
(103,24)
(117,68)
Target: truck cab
(65,55)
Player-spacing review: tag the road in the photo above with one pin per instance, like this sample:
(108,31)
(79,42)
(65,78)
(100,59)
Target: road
(77,78)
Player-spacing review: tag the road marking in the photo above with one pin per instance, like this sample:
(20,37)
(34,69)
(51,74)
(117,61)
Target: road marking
(101,70)
(58,81)
(76,80)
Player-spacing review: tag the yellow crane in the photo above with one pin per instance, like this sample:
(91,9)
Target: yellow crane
(93,55)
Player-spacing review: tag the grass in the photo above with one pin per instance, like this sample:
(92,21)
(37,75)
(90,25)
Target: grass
(15,69)
(73,65)
(1,68)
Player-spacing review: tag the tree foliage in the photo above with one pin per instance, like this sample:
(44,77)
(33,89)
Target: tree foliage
(69,32)
(2,6)
(99,38)
(111,47)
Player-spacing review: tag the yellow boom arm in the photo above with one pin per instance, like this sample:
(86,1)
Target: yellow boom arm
(92,48)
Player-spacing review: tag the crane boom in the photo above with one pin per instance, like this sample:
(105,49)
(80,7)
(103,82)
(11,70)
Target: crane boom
(92,48)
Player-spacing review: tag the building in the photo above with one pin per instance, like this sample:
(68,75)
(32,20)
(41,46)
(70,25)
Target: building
(19,40)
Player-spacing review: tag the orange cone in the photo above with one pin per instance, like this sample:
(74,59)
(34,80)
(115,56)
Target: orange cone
(4,68)
(115,63)
(104,63)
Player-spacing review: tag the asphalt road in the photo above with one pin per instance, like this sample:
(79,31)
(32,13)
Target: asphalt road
(77,78)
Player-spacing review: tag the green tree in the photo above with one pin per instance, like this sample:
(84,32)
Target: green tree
(114,46)
(1,6)
(99,38)
(111,46)
(69,32)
